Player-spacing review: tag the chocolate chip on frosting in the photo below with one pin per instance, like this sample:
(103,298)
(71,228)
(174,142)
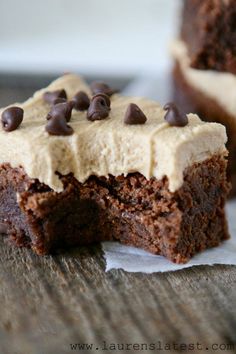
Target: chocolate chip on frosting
(81,101)
(61,109)
(99,107)
(101,87)
(57,125)
(106,98)
(12,118)
(59,100)
(50,97)
(174,117)
(134,115)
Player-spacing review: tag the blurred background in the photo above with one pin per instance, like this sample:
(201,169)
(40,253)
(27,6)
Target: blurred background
(124,42)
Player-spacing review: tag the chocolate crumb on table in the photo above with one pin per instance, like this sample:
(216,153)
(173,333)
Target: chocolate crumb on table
(152,184)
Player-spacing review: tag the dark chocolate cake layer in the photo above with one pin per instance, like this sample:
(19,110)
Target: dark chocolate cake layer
(208,29)
(192,100)
(132,209)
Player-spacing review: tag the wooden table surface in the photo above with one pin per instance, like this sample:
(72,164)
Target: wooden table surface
(50,303)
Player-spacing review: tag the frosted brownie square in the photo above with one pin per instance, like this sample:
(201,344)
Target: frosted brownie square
(83,164)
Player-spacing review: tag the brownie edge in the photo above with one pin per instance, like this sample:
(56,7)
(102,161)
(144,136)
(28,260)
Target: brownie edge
(209,31)
(132,210)
(192,100)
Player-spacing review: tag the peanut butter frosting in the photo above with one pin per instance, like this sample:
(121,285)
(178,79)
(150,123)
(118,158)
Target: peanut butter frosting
(219,86)
(109,146)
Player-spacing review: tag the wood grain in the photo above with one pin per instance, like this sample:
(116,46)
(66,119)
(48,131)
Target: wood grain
(49,302)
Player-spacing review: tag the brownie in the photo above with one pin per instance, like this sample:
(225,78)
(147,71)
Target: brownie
(209,31)
(82,164)
(132,210)
(192,100)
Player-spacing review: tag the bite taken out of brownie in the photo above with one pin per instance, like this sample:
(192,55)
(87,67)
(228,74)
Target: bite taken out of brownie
(132,210)
(81,165)
(209,32)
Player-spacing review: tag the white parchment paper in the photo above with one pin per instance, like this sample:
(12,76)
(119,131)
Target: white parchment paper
(135,260)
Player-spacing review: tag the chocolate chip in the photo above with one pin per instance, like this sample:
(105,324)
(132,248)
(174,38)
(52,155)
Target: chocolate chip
(107,98)
(58,126)
(12,118)
(81,101)
(174,117)
(61,109)
(98,108)
(134,115)
(101,87)
(50,97)
(59,100)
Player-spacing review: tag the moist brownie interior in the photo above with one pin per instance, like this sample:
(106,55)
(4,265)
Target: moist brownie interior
(132,209)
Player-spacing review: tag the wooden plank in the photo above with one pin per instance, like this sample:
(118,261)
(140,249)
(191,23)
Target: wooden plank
(49,302)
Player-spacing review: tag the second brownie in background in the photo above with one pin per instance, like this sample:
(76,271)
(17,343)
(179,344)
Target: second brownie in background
(204,74)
